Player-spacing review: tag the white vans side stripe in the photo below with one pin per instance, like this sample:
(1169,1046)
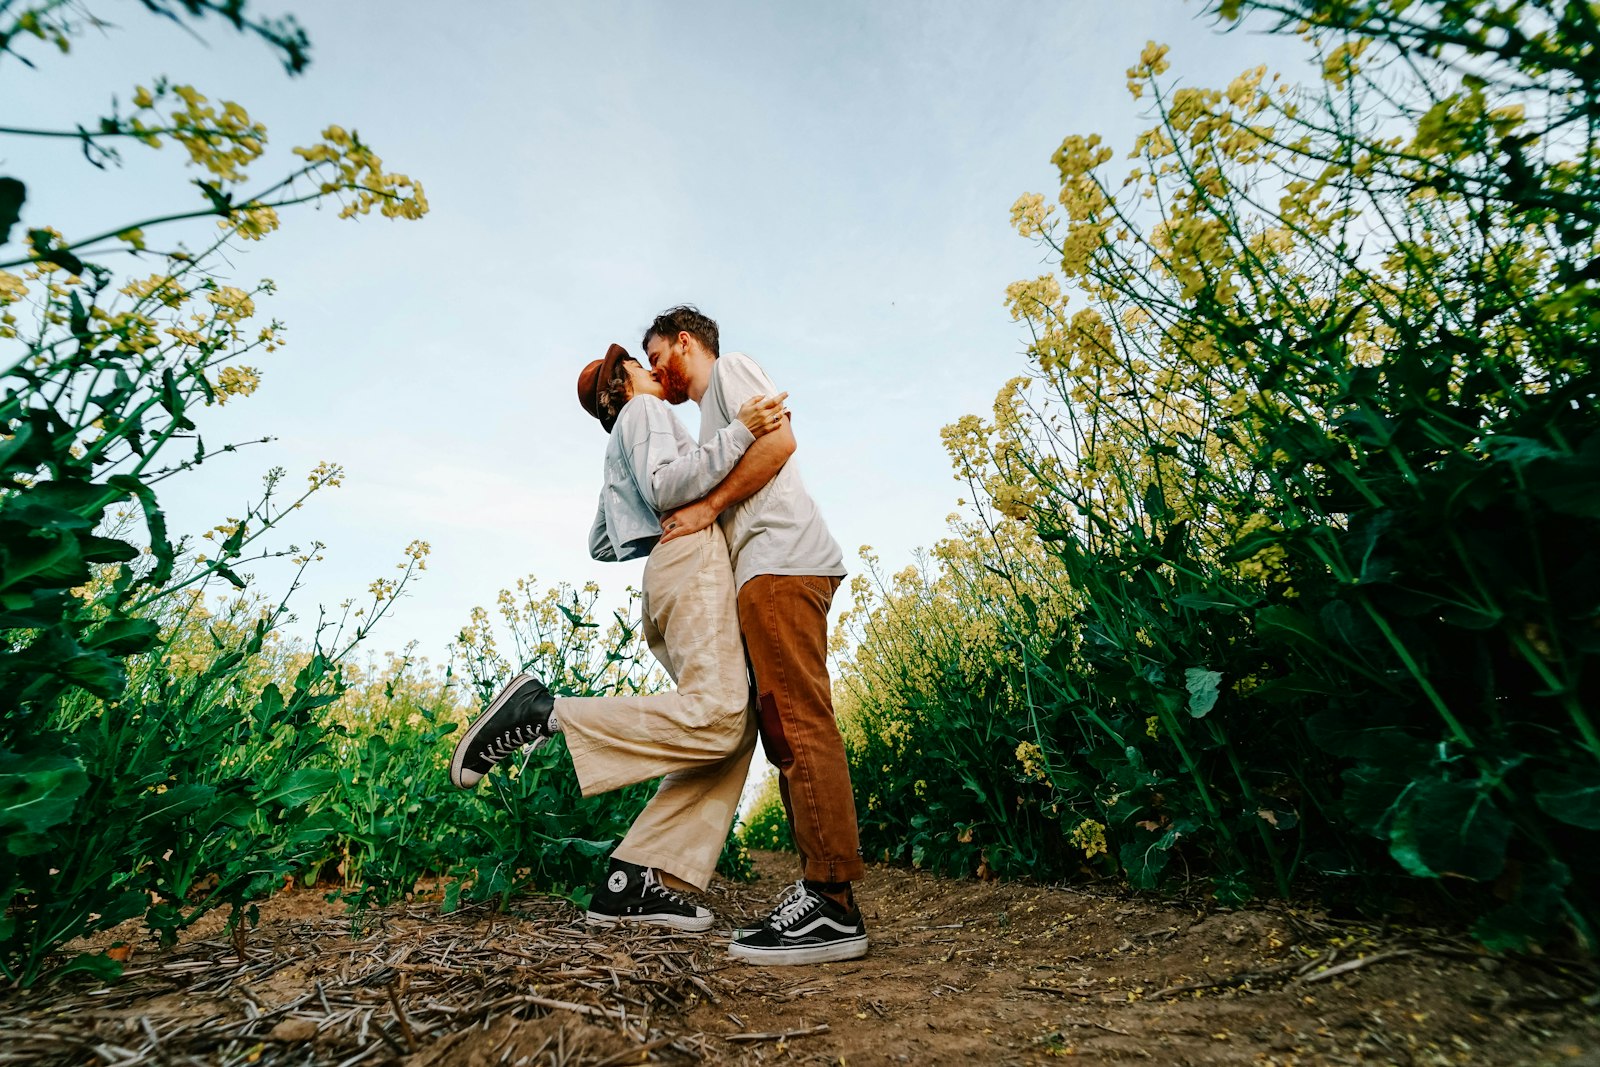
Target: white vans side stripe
(820,920)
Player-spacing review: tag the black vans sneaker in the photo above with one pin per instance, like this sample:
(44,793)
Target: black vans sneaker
(519,715)
(634,894)
(806,928)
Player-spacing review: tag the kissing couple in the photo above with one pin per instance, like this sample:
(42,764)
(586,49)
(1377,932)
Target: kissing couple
(739,577)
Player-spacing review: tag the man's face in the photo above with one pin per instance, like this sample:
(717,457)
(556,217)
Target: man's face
(667,361)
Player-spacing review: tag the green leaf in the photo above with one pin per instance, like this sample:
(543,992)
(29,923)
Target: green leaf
(227,573)
(1450,829)
(577,620)
(97,672)
(1570,798)
(12,195)
(156,520)
(175,801)
(125,637)
(14,452)
(53,558)
(1287,625)
(1143,862)
(1203,690)
(1570,484)
(100,967)
(270,706)
(106,550)
(45,251)
(1207,602)
(38,791)
(1535,914)
(300,787)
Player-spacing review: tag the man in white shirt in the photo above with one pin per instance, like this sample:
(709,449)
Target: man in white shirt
(787,568)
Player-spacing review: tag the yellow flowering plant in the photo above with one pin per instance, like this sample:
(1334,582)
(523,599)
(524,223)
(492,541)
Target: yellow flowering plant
(119,724)
(1309,440)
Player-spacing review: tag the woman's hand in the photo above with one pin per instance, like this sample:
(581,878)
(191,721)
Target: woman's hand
(761,415)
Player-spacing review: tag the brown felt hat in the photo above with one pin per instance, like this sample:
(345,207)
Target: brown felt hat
(595,377)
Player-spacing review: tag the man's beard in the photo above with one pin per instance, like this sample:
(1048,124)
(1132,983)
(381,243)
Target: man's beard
(674,386)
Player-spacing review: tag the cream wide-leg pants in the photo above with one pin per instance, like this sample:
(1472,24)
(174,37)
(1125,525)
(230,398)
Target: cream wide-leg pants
(700,735)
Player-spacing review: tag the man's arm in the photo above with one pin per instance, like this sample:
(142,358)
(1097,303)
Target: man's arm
(760,464)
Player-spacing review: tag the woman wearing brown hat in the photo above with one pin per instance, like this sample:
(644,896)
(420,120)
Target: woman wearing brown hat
(698,736)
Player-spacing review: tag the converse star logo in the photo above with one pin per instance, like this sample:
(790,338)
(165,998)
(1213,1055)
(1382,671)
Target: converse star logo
(618,881)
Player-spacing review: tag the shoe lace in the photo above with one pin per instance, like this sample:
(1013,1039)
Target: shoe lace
(653,885)
(797,903)
(511,740)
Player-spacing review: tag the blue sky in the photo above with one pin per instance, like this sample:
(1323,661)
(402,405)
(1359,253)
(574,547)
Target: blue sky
(830,180)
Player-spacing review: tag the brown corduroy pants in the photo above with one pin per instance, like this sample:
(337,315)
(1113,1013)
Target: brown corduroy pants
(700,735)
(785,622)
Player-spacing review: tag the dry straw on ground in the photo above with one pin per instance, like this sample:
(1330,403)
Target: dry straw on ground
(960,972)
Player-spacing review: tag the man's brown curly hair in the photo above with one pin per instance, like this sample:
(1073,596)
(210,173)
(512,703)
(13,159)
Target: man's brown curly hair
(685,318)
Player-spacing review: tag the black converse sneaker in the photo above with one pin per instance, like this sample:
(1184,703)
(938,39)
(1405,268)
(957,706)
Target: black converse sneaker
(634,894)
(519,715)
(806,927)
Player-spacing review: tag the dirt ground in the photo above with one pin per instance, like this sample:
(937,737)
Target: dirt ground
(960,972)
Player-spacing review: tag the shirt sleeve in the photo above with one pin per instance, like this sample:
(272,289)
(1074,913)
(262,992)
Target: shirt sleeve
(600,546)
(739,378)
(666,477)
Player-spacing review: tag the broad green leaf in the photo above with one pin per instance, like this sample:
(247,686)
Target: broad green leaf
(124,637)
(1450,828)
(1537,912)
(1203,690)
(300,787)
(270,706)
(175,801)
(1570,798)
(97,672)
(1288,625)
(1143,862)
(97,965)
(38,792)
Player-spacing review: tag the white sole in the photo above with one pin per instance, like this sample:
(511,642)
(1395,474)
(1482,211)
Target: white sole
(851,949)
(477,724)
(677,922)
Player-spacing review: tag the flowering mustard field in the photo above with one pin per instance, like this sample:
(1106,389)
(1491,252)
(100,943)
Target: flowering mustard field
(1278,572)
(1280,568)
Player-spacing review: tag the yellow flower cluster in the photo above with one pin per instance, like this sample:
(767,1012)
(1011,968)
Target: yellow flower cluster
(1032,759)
(417,553)
(162,288)
(326,474)
(252,221)
(1090,836)
(1269,563)
(1030,215)
(1340,65)
(236,381)
(12,288)
(359,171)
(1152,63)
(233,304)
(224,141)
